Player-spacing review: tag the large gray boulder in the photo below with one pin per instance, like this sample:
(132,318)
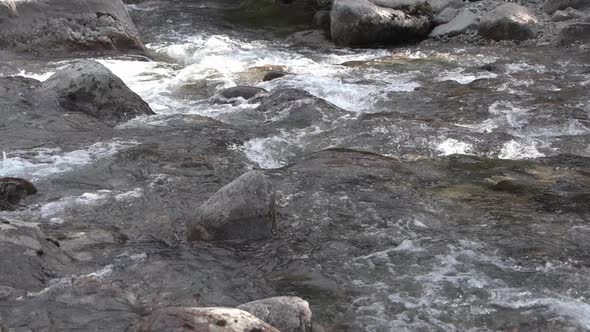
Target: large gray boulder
(89,87)
(13,190)
(177,319)
(576,32)
(551,6)
(286,313)
(465,21)
(366,23)
(242,210)
(63,26)
(509,22)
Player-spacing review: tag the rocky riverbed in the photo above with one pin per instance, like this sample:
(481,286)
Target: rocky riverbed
(224,166)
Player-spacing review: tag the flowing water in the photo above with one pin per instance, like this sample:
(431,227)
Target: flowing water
(417,243)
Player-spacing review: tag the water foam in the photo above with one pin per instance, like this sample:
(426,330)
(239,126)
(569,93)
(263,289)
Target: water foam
(39,163)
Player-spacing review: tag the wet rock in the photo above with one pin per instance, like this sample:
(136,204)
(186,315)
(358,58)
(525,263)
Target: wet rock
(237,94)
(90,88)
(576,32)
(551,6)
(322,19)
(465,21)
(242,210)
(509,22)
(286,313)
(439,5)
(28,260)
(255,75)
(445,16)
(13,190)
(566,15)
(273,75)
(310,38)
(202,320)
(62,26)
(565,195)
(295,108)
(365,23)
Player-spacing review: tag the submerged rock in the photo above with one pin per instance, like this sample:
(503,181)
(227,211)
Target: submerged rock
(89,87)
(13,190)
(365,23)
(509,22)
(62,26)
(242,210)
(576,32)
(236,94)
(286,313)
(463,22)
(202,320)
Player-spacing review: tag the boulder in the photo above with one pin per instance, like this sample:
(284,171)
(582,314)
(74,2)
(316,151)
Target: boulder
(439,5)
(445,16)
(237,94)
(286,313)
(463,22)
(13,190)
(551,6)
(176,319)
(242,210)
(576,32)
(566,15)
(295,108)
(63,26)
(90,88)
(509,22)
(273,75)
(310,38)
(366,23)
(322,19)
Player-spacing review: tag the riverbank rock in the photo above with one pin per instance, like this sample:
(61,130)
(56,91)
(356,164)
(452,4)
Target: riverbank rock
(551,6)
(238,94)
(366,23)
(576,32)
(63,26)
(90,88)
(286,313)
(465,21)
(202,320)
(509,22)
(13,190)
(242,210)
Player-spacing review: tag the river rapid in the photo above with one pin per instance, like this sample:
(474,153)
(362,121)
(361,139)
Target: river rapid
(449,192)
